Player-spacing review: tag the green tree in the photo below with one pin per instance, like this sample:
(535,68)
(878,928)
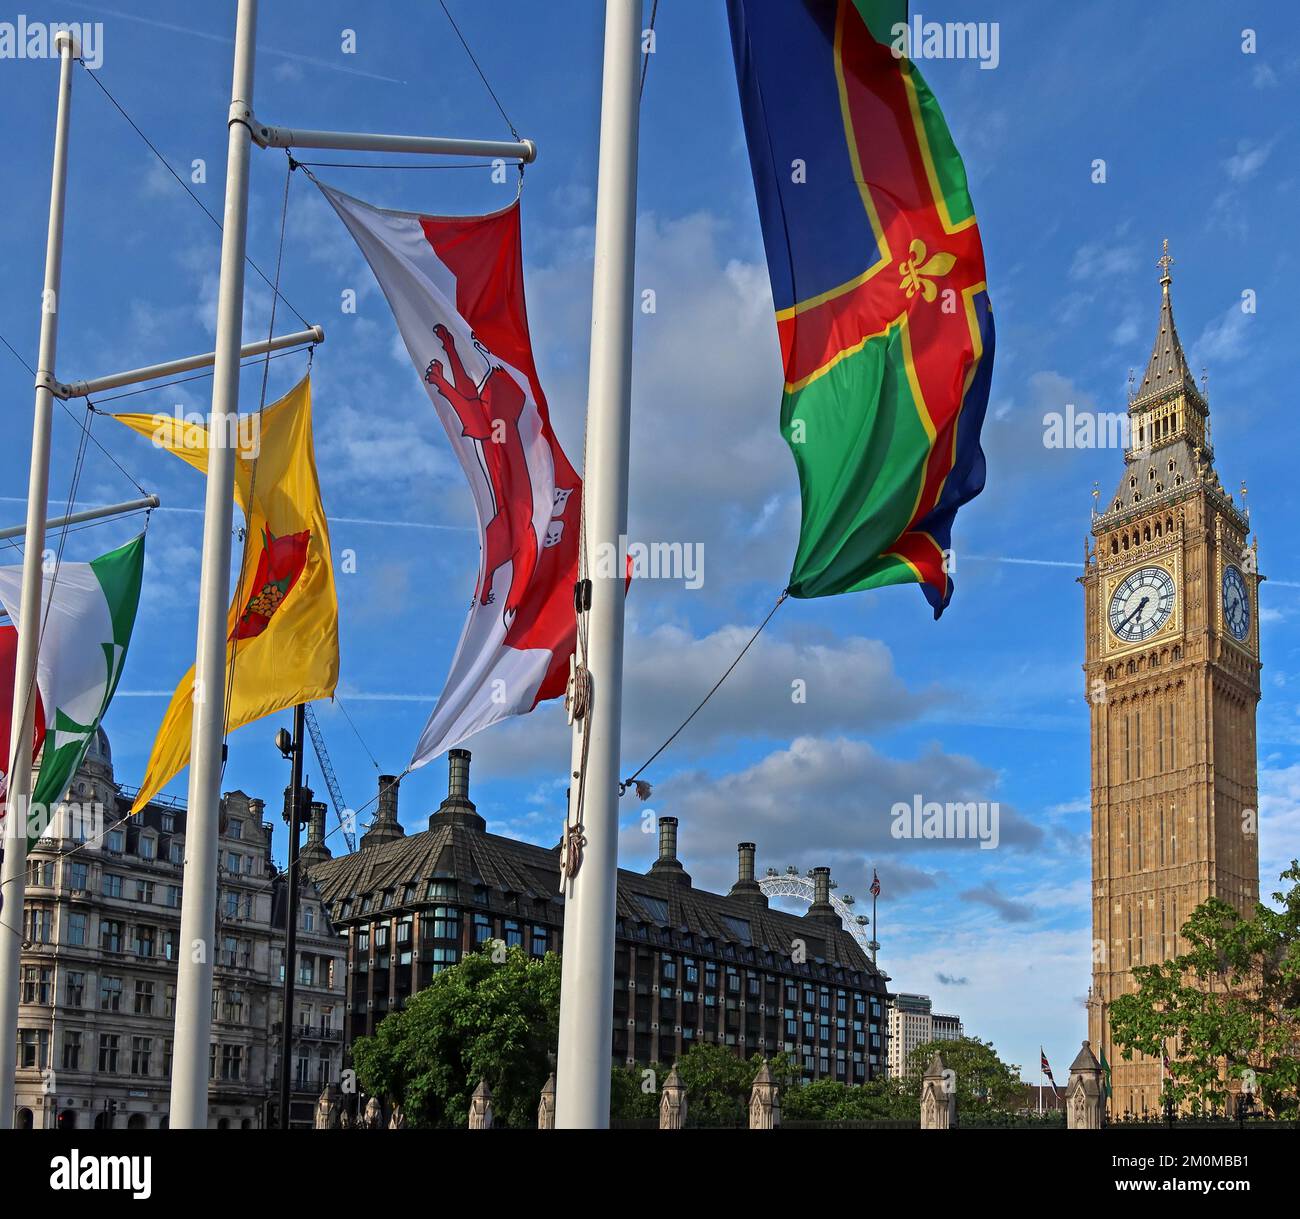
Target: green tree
(983,1082)
(481,1019)
(1228,1006)
(828,1100)
(634,1091)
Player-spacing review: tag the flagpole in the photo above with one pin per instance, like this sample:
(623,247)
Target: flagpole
(13,838)
(587,961)
(189,1092)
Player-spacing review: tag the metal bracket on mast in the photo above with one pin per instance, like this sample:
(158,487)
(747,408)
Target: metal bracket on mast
(265,135)
(152,372)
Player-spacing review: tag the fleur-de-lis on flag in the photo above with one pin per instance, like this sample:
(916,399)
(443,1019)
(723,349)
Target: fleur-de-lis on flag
(916,267)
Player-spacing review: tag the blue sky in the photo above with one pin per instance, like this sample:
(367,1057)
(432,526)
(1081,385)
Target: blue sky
(1200,145)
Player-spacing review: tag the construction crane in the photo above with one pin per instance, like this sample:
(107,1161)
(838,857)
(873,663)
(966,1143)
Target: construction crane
(345,815)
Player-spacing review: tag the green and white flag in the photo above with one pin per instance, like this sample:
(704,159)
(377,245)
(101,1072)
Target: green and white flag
(86,618)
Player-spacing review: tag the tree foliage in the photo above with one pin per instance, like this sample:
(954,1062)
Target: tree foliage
(983,1082)
(484,1018)
(1227,1011)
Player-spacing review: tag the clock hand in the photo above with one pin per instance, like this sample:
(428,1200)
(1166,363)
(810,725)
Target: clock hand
(1141,606)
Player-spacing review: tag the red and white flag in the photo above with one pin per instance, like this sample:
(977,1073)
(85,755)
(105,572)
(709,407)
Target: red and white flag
(455,285)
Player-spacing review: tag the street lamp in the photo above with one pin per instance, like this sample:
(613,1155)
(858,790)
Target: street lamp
(295,815)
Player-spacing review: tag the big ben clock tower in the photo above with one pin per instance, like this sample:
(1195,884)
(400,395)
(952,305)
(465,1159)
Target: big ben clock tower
(1172,682)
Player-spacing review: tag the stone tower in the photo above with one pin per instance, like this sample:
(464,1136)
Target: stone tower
(1172,682)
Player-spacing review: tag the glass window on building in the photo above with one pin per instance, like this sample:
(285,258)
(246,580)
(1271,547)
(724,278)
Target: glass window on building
(71,1050)
(116,841)
(78,929)
(111,885)
(34,1048)
(110,994)
(40,872)
(541,941)
(174,895)
(36,983)
(74,985)
(144,940)
(148,846)
(176,852)
(234,828)
(141,1052)
(168,823)
(441,890)
(169,999)
(514,933)
(232,1062)
(110,935)
(144,892)
(108,1053)
(309,918)
(667,968)
(79,876)
(232,905)
(482,928)
(143,998)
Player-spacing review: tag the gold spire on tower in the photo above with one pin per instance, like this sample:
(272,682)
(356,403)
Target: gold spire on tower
(1164,262)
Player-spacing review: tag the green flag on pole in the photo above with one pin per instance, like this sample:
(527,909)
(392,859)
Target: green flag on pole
(87,614)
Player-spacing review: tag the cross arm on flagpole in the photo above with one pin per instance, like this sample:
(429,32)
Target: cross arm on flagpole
(152,372)
(265,135)
(90,514)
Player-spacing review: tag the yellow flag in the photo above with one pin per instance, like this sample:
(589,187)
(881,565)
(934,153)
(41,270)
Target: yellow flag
(283,642)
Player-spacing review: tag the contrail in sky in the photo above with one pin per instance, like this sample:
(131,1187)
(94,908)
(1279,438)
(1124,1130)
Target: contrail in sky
(261,49)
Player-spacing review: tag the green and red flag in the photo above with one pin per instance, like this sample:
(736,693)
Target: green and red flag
(85,622)
(877,277)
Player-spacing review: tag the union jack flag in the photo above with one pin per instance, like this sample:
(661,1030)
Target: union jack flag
(1046,1067)
(875,883)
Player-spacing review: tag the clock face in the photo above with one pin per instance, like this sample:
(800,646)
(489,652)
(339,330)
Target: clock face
(1236,604)
(1141,604)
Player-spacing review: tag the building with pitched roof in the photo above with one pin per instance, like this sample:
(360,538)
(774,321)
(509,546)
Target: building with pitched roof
(691,965)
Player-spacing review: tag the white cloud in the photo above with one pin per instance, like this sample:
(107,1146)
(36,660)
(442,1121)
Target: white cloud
(1248,160)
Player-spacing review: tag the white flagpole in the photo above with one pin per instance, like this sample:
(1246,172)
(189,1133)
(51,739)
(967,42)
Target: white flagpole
(13,838)
(189,1094)
(587,980)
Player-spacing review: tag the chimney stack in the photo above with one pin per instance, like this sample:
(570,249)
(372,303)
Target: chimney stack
(315,851)
(457,808)
(668,865)
(385,826)
(746,886)
(821,908)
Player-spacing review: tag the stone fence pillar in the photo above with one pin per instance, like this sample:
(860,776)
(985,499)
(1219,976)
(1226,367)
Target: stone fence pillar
(938,1098)
(546,1106)
(1085,1097)
(672,1103)
(764,1101)
(480,1107)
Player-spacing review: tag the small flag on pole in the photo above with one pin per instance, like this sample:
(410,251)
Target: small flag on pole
(86,623)
(875,883)
(283,624)
(1046,1067)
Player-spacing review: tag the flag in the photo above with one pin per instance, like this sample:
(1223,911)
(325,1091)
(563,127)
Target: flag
(1105,1070)
(877,273)
(282,635)
(875,883)
(87,614)
(1045,1067)
(456,289)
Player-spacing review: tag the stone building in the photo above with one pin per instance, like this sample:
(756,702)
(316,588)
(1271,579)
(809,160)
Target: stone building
(690,965)
(98,967)
(910,1023)
(1172,683)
